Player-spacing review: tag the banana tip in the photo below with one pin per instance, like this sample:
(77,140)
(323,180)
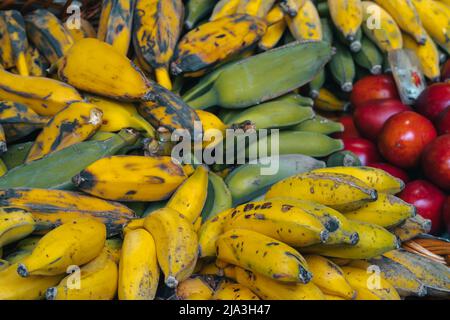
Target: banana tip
(305,276)
(22,270)
(324,235)
(355,46)
(51,293)
(354,238)
(171,282)
(347,87)
(378,69)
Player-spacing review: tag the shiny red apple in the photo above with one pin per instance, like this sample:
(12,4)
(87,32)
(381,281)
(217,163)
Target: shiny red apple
(436,161)
(443,122)
(376,87)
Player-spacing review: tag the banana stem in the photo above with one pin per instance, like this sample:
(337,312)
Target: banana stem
(163,78)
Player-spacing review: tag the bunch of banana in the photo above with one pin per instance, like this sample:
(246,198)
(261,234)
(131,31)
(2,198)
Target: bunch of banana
(48,34)
(157,27)
(115,24)
(15,224)
(50,208)
(13,41)
(195,288)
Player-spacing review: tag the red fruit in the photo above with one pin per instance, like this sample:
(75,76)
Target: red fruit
(350,130)
(403,138)
(445,73)
(436,161)
(446,213)
(428,201)
(396,172)
(379,87)
(365,150)
(443,122)
(370,117)
(434,100)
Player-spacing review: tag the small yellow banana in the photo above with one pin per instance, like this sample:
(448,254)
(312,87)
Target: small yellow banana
(96,280)
(412,227)
(74,124)
(292,7)
(273,35)
(176,244)
(339,191)
(131,178)
(233,291)
(267,256)
(428,55)
(224,8)
(276,14)
(13,112)
(15,224)
(327,101)
(73,243)
(306,24)
(347,16)
(138,267)
(256,8)
(210,231)
(195,288)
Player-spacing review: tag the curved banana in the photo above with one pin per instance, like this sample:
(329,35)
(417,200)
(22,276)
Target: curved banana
(210,231)
(275,15)
(131,178)
(138,267)
(195,288)
(412,227)
(113,248)
(176,251)
(428,55)
(262,254)
(327,101)
(306,24)
(15,224)
(224,8)
(292,7)
(321,125)
(233,291)
(273,35)
(73,243)
(256,8)
(218,198)
(72,125)
(347,16)
(115,24)
(369,57)
(13,112)
(342,68)
(97,281)
(158,25)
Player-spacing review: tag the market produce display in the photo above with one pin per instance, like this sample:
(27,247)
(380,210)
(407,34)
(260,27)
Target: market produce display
(96,205)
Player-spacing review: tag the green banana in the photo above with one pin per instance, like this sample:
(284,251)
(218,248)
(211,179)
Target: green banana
(218,199)
(298,99)
(317,83)
(197,10)
(355,45)
(327,30)
(369,57)
(320,124)
(249,181)
(342,68)
(244,83)
(16,154)
(56,170)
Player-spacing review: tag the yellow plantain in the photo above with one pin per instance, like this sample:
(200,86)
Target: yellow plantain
(306,24)
(115,24)
(327,101)
(73,243)
(198,49)
(15,224)
(233,291)
(176,244)
(157,27)
(195,288)
(224,8)
(428,55)
(292,7)
(276,14)
(138,268)
(273,35)
(412,227)
(256,8)
(74,124)
(210,231)
(347,16)
(17,113)
(131,178)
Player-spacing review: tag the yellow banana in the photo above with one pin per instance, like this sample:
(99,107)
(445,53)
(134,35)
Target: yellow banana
(339,191)
(347,16)
(331,297)
(224,8)
(85,30)
(306,24)
(446,2)
(120,115)
(114,247)
(375,178)
(233,291)
(13,41)
(372,286)
(329,277)
(270,289)
(210,231)
(273,35)
(276,14)
(50,208)
(115,24)
(158,25)
(45,96)
(190,197)
(96,280)
(373,241)
(74,124)
(15,287)
(256,8)
(73,243)
(292,7)
(195,288)
(198,49)
(412,227)
(176,244)
(407,18)
(428,55)
(131,178)
(259,253)
(138,267)
(37,64)
(211,125)
(15,224)
(435,18)
(327,101)
(48,35)
(279,220)
(388,211)
(380,27)
(211,269)
(12,112)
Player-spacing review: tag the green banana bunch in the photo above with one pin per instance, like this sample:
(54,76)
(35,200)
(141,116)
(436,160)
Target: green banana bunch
(369,57)
(218,197)
(319,124)
(342,68)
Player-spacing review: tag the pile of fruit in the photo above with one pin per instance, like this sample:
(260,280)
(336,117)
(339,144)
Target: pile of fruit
(93,204)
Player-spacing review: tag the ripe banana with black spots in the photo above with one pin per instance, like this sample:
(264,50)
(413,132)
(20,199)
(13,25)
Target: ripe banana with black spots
(157,27)
(339,191)
(17,113)
(47,33)
(138,267)
(347,16)
(329,277)
(131,178)
(259,253)
(306,24)
(97,281)
(74,124)
(292,7)
(73,243)
(428,55)
(195,288)
(412,227)
(15,224)
(233,291)
(115,24)
(375,178)
(176,251)
(224,8)
(198,49)
(13,41)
